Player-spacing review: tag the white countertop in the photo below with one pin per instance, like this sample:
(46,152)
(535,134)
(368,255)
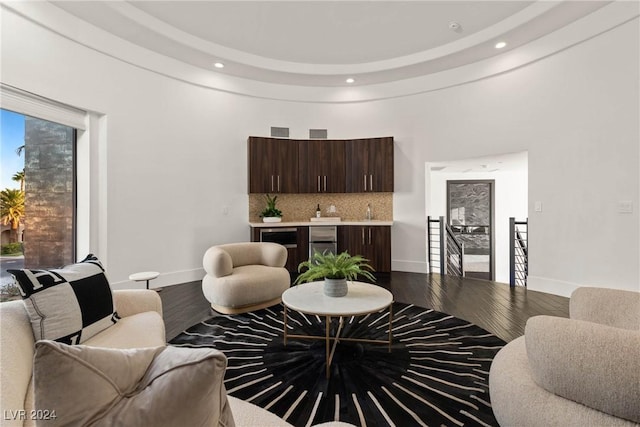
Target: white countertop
(370,223)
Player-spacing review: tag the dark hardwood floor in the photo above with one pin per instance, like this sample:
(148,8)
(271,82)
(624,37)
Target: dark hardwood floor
(493,306)
(183,306)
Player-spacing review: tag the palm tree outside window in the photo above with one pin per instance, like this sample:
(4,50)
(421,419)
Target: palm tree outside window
(12,210)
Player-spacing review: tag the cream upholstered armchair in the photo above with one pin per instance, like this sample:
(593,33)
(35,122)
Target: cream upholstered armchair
(243,277)
(141,325)
(124,374)
(140,331)
(582,371)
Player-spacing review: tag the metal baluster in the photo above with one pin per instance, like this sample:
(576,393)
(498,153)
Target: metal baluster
(512,252)
(443,247)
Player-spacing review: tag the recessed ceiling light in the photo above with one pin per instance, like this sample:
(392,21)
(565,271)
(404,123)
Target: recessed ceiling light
(455,26)
(218,65)
(350,80)
(500,45)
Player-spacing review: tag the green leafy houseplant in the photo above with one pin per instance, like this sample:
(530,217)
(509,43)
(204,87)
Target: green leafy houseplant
(327,265)
(270,211)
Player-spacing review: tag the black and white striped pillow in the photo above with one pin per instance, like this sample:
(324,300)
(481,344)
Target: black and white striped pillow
(70,304)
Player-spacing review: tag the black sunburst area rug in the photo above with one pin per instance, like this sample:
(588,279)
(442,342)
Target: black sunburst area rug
(437,372)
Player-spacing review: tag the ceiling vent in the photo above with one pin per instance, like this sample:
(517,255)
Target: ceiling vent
(279,132)
(317,133)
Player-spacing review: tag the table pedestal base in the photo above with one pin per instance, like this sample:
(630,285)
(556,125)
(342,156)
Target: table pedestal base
(330,350)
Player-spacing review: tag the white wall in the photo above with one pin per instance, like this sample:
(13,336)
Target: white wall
(176,152)
(510,200)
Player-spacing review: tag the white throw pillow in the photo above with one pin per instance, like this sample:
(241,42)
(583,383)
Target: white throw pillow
(70,304)
(154,386)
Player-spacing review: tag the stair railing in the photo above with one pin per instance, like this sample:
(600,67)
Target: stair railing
(433,246)
(518,252)
(445,252)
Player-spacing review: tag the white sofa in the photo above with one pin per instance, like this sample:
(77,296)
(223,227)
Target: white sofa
(141,325)
(582,371)
(244,277)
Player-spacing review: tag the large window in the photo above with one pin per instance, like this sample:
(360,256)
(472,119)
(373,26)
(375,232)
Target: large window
(38,188)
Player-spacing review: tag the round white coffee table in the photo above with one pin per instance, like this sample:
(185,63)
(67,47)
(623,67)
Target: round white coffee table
(361,298)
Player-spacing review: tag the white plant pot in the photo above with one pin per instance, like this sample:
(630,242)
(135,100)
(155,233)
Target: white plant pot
(335,287)
(271,219)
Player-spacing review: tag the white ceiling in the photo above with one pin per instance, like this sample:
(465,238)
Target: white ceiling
(498,163)
(330,32)
(321,43)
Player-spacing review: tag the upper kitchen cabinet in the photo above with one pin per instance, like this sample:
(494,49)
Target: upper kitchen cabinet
(369,165)
(321,166)
(273,165)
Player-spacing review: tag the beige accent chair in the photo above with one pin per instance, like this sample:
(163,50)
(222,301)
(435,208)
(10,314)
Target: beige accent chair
(581,371)
(244,277)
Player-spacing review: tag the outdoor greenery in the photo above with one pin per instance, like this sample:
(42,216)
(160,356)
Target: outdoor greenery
(271,210)
(334,266)
(19,177)
(9,291)
(12,210)
(12,213)
(11,249)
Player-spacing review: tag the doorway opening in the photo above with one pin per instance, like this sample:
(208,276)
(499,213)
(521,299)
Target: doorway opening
(509,174)
(470,207)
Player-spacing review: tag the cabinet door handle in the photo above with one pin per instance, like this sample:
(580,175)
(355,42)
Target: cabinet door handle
(365,182)
(318,183)
(363,235)
(371,182)
(369,235)
(272,183)
(278,183)
(325,183)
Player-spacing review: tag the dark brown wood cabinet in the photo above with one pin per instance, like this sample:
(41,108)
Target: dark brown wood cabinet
(295,255)
(279,165)
(273,165)
(369,165)
(372,242)
(302,251)
(321,166)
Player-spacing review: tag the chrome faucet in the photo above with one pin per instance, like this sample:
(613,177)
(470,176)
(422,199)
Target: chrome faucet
(368,215)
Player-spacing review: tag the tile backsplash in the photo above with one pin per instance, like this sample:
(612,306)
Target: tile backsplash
(349,206)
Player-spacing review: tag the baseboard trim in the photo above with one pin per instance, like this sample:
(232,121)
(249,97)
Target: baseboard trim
(409,266)
(551,286)
(564,288)
(164,280)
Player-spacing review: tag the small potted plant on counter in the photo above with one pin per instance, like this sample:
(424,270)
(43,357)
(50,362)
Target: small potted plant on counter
(336,270)
(271,213)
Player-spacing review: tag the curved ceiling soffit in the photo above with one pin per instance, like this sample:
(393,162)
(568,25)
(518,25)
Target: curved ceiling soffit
(68,26)
(225,53)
